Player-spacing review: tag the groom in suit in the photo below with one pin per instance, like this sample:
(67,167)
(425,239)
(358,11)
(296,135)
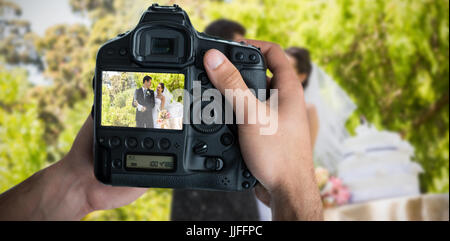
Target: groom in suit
(144,102)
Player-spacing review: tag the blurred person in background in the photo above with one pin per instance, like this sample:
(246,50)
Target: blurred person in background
(328,108)
(226,29)
(213,205)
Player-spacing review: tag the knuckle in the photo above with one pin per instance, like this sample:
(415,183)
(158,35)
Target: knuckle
(276,47)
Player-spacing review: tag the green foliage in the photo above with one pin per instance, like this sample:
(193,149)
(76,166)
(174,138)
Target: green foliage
(22,150)
(119,112)
(62,48)
(16,45)
(154,205)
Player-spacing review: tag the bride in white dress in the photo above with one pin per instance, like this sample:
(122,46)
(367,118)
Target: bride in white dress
(329,103)
(165,105)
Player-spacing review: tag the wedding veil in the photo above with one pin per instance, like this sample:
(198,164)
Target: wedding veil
(172,106)
(334,107)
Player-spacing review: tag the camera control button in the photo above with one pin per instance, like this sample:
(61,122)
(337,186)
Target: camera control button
(117,163)
(203,78)
(246,174)
(164,143)
(114,142)
(239,56)
(213,163)
(110,51)
(200,148)
(226,139)
(122,52)
(131,142)
(102,141)
(253,57)
(246,185)
(148,143)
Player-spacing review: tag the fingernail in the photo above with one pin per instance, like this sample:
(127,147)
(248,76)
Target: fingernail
(214,59)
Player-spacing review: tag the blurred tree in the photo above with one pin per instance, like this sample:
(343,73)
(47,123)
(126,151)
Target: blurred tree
(103,6)
(16,38)
(22,150)
(62,49)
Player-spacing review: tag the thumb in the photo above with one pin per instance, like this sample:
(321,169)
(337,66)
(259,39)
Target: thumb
(224,76)
(222,72)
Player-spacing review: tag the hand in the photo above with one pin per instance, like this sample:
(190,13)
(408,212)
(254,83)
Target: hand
(66,190)
(144,108)
(135,103)
(79,162)
(281,162)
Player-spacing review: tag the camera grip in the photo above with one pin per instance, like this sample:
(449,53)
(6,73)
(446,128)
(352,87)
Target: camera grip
(256,81)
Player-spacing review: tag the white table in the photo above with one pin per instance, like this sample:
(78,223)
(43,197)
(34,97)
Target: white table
(423,207)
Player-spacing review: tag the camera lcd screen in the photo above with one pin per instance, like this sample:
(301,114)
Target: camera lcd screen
(142,100)
(150,162)
(162,46)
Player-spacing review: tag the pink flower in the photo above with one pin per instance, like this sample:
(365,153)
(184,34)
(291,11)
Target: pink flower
(335,193)
(340,193)
(336,181)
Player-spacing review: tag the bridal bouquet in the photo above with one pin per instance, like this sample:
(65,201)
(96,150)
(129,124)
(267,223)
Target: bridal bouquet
(163,116)
(332,191)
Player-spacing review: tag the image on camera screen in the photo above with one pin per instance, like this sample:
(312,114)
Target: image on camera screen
(142,100)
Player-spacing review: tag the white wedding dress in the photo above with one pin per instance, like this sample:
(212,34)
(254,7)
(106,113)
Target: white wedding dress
(155,112)
(334,107)
(175,110)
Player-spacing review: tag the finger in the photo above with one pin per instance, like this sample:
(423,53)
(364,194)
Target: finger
(222,72)
(224,76)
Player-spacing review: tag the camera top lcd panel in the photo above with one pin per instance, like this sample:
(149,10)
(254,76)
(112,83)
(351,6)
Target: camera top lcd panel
(144,107)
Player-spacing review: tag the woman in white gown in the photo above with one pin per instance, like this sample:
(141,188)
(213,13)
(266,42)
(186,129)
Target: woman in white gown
(328,108)
(164,103)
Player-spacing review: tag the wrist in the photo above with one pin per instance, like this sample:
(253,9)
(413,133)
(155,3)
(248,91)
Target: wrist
(50,194)
(64,195)
(296,196)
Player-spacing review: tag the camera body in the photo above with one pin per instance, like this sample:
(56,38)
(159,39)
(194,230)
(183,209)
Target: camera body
(196,156)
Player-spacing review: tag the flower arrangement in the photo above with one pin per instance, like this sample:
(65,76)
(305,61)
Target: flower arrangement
(163,116)
(332,191)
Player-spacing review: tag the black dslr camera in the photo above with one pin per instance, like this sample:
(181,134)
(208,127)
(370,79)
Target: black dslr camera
(144,133)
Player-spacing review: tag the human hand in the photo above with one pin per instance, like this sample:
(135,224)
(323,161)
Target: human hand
(281,162)
(79,163)
(66,190)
